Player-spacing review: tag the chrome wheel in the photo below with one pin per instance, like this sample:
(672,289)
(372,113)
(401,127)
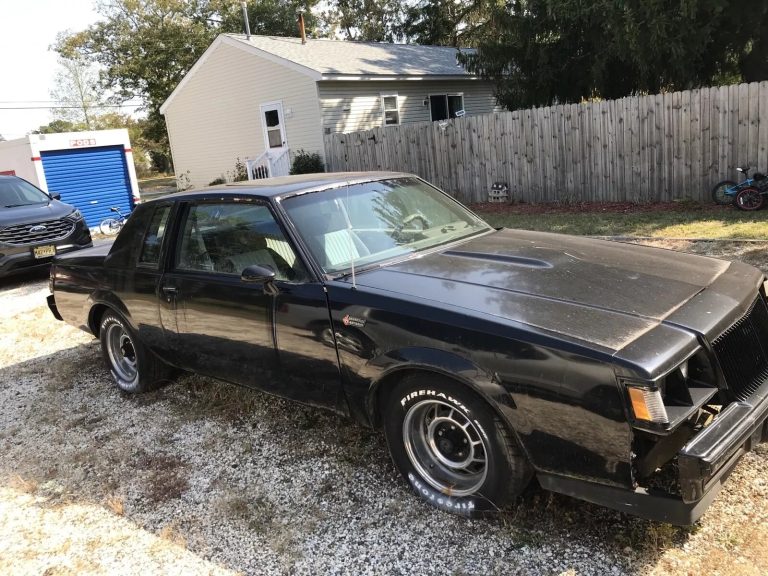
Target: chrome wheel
(445,447)
(121,352)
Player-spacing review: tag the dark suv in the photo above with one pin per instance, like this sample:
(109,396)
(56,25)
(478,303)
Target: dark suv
(35,226)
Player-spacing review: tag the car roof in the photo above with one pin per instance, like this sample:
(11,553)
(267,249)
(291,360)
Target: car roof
(289,185)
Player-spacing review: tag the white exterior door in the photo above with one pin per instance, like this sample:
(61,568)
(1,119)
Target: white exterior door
(273,123)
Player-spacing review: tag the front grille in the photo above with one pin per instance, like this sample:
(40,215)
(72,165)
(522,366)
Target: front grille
(741,352)
(48,230)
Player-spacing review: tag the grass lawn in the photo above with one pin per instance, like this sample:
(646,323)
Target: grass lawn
(658,220)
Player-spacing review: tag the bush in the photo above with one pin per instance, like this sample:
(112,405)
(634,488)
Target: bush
(241,172)
(307,163)
(217,181)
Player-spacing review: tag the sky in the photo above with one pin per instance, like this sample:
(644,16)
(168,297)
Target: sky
(27,67)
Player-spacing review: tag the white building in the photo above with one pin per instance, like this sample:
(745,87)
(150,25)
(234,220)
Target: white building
(264,98)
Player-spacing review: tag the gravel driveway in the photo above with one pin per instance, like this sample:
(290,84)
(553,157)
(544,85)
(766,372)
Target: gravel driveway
(205,478)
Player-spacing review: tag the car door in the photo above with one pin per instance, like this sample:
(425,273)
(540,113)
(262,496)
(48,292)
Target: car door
(267,337)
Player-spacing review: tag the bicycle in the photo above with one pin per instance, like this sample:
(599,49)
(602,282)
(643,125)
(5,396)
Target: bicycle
(727,191)
(111,226)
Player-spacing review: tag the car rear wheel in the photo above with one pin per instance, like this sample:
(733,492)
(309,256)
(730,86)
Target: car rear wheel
(133,367)
(451,447)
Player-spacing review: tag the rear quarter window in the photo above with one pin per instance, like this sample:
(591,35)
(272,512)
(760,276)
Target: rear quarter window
(130,241)
(153,239)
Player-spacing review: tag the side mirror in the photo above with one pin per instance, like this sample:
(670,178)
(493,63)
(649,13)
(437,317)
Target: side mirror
(256,273)
(56,196)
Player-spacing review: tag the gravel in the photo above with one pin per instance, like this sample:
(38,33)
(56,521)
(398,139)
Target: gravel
(205,478)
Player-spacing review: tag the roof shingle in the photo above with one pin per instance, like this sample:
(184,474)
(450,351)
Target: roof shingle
(345,58)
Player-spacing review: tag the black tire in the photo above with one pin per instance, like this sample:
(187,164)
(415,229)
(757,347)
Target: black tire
(134,368)
(718,192)
(451,447)
(749,199)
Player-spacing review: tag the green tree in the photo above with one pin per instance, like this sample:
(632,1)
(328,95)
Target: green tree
(364,20)
(144,48)
(545,51)
(449,22)
(269,17)
(58,126)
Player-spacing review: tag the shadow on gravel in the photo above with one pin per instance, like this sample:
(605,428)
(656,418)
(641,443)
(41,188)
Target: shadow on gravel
(237,477)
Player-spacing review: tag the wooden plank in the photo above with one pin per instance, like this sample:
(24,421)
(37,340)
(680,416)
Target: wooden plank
(567,164)
(705,136)
(685,125)
(585,156)
(526,140)
(626,147)
(752,124)
(723,149)
(641,167)
(762,139)
(562,151)
(636,152)
(743,125)
(734,157)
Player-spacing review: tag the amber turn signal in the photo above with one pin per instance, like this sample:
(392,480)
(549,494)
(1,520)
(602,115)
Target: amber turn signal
(648,405)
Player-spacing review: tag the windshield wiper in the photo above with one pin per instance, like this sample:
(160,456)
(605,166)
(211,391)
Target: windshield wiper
(15,205)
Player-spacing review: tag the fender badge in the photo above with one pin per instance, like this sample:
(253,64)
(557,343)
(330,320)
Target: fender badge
(352,321)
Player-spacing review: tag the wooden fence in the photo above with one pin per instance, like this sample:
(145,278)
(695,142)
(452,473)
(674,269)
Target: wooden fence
(641,149)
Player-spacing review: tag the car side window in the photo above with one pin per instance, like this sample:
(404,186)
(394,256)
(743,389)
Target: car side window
(153,239)
(228,237)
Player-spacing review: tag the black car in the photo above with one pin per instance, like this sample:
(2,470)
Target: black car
(628,376)
(34,226)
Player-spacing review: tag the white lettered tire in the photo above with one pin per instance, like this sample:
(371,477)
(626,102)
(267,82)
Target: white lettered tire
(451,447)
(133,367)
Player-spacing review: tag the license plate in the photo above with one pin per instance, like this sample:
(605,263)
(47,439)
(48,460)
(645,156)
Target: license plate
(44,251)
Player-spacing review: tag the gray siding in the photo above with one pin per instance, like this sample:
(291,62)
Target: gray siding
(352,105)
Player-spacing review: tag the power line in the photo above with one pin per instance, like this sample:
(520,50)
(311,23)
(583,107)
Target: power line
(70,107)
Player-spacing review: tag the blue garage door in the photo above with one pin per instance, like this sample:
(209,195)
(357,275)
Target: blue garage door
(92,179)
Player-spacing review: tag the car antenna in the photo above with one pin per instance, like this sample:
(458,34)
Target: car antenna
(349,240)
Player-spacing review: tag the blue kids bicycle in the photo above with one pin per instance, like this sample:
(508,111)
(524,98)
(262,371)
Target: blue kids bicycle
(749,194)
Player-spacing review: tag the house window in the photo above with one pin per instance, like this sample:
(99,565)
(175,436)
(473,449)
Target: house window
(445,106)
(390,109)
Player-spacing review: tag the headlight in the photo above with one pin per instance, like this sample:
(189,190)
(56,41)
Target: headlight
(75,216)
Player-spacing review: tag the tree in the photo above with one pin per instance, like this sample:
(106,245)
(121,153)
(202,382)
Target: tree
(365,20)
(545,51)
(58,126)
(77,91)
(448,22)
(144,48)
(269,17)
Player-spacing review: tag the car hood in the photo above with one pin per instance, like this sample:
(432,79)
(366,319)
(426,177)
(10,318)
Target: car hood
(52,210)
(605,293)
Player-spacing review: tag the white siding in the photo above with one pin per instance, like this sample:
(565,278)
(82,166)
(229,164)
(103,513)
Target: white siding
(17,155)
(353,105)
(214,119)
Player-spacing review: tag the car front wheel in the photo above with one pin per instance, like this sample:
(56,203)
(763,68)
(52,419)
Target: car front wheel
(451,447)
(133,367)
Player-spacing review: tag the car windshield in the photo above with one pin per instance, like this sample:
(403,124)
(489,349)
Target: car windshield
(18,192)
(375,221)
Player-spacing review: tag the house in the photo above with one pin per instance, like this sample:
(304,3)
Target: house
(262,98)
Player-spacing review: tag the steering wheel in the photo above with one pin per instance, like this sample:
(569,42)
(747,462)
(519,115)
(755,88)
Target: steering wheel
(412,218)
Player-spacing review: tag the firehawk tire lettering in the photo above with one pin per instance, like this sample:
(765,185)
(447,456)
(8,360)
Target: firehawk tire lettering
(444,439)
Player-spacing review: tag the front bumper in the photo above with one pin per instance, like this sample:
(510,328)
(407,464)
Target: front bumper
(20,258)
(704,464)
(710,455)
